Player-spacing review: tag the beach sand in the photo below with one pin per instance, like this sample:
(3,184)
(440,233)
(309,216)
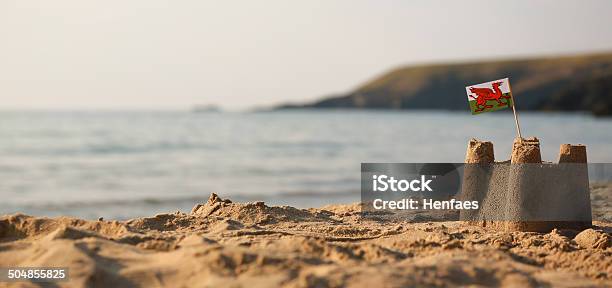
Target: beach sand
(226,244)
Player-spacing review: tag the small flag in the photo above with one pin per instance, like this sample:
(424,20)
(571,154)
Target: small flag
(489,96)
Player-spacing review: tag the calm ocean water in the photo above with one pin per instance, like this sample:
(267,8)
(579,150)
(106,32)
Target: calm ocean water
(128,164)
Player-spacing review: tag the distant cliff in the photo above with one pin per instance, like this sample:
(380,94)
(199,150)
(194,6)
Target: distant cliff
(576,83)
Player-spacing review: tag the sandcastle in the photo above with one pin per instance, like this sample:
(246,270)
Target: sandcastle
(525,193)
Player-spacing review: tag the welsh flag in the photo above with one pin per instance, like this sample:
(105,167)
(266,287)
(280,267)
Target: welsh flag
(489,96)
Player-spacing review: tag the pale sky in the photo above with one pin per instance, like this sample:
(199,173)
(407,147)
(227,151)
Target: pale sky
(151,54)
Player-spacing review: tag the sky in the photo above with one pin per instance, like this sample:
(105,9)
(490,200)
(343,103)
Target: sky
(153,54)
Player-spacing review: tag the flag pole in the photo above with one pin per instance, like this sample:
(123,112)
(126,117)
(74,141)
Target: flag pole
(518,127)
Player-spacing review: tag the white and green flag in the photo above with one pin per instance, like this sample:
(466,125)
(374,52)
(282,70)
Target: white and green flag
(489,96)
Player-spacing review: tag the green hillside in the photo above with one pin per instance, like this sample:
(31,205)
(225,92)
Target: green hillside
(573,83)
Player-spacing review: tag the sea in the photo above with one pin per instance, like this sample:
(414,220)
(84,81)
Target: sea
(126,164)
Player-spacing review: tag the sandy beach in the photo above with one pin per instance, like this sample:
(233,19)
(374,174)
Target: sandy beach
(221,243)
(305,144)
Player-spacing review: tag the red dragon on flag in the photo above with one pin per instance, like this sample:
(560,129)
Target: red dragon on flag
(480,96)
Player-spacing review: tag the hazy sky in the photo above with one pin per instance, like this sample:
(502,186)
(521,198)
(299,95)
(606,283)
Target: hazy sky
(240,54)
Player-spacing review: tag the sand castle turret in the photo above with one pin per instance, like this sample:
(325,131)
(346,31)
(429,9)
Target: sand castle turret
(569,153)
(520,185)
(526,194)
(575,157)
(476,177)
(480,152)
(526,151)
